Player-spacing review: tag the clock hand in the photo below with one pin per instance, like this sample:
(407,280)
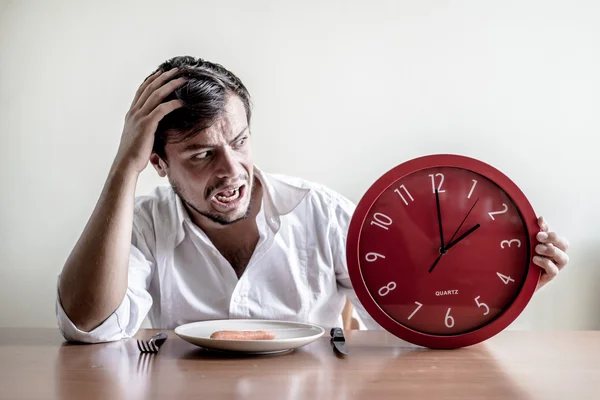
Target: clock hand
(463,221)
(464,235)
(435,262)
(439,215)
(451,243)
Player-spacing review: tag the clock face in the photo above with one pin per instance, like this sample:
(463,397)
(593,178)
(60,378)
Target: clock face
(450,281)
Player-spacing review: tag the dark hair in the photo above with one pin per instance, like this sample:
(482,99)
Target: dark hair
(203,96)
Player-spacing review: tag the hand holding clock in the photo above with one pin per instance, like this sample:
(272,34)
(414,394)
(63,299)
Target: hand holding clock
(551,253)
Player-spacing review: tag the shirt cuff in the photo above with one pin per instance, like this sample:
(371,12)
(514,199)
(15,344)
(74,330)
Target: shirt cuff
(110,330)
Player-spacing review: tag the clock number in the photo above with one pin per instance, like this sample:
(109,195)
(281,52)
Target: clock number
(439,188)
(449,318)
(370,257)
(492,213)
(402,197)
(505,279)
(509,242)
(383,221)
(472,188)
(419,305)
(387,288)
(487,309)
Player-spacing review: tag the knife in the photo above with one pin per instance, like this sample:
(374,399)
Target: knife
(338,340)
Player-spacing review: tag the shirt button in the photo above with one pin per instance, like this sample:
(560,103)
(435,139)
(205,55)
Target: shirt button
(237,299)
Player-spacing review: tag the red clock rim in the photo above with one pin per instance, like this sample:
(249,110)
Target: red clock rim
(402,331)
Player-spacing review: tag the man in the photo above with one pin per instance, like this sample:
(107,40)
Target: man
(226,240)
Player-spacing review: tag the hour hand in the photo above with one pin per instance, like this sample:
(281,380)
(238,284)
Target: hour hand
(464,235)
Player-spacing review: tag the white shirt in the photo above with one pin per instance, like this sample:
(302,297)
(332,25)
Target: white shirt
(297,272)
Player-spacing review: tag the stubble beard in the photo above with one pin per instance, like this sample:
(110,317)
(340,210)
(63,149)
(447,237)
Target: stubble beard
(212,216)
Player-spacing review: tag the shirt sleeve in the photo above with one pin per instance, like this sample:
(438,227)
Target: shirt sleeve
(338,232)
(125,321)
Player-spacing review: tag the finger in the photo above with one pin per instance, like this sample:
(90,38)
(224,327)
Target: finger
(550,269)
(159,112)
(159,95)
(555,254)
(143,86)
(554,239)
(543,224)
(152,86)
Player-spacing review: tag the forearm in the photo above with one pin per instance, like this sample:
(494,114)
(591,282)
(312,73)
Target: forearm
(94,278)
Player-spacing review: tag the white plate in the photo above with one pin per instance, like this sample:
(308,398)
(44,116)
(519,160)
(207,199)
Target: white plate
(288,335)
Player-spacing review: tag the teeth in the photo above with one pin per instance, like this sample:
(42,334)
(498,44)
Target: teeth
(227,199)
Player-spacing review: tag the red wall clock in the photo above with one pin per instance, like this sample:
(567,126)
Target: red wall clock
(440,249)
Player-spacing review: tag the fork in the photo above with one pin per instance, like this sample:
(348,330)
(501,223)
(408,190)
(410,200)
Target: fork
(152,345)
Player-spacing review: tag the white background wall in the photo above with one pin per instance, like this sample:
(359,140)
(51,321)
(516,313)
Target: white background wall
(343,91)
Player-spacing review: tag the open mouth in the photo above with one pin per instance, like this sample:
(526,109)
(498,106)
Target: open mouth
(229,197)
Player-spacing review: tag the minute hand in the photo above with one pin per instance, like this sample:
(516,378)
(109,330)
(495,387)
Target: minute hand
(461,237)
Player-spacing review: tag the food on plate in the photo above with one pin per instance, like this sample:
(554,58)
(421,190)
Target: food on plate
(243,335)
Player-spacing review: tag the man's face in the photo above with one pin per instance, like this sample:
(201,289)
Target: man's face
(213,171)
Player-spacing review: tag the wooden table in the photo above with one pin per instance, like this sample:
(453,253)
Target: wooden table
(37,363)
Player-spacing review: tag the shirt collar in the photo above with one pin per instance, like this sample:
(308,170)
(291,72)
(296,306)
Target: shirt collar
(279,198)
(283,196)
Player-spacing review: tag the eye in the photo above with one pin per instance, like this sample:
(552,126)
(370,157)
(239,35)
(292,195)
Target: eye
(201,156)
(242,141)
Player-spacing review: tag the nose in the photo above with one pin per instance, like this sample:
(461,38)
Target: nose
(226,164)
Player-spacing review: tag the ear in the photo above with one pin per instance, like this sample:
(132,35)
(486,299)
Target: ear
(159,164)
